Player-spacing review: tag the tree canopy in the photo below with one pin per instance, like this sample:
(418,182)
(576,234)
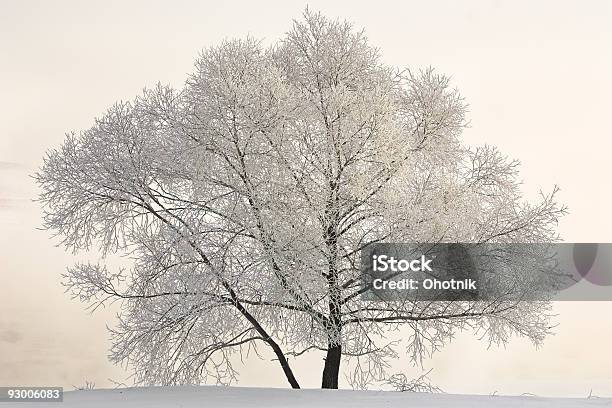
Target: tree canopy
(245,198)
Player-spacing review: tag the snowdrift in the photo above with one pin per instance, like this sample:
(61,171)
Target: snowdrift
(234,397)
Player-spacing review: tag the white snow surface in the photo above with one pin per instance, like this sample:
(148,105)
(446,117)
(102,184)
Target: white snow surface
(211,396)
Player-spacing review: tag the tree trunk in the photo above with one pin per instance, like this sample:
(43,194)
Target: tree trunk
(285,365)
(265,336)
(331,371)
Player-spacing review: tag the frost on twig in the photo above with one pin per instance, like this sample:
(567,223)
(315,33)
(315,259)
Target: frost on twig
(399,382)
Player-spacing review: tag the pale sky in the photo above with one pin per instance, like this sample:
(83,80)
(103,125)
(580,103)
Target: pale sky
(536,76)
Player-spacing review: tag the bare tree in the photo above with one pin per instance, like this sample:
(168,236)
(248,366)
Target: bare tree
(244,200)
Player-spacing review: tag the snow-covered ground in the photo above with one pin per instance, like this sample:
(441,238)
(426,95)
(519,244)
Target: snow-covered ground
(209,396)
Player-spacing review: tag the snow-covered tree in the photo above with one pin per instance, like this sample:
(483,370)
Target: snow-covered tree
(244,200)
